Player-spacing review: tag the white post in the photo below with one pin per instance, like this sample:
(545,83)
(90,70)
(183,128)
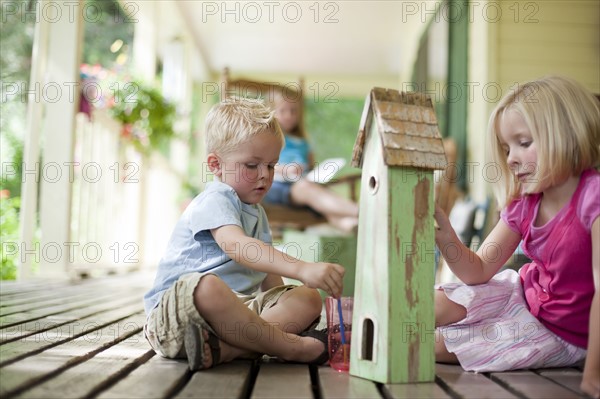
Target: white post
(31,153)
(144,58)
(60,97)
(145,40)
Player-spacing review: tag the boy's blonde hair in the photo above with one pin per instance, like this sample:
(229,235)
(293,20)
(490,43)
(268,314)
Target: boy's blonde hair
(564,120)
(236,120)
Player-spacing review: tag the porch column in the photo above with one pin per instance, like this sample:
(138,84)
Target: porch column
(144,59)
(31,151)
(55,77)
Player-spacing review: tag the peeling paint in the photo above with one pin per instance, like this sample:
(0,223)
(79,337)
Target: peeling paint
(421,211)
(421,195)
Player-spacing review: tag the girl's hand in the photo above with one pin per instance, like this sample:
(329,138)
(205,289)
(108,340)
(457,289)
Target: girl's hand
(443,229)
(591,383)
(326,276)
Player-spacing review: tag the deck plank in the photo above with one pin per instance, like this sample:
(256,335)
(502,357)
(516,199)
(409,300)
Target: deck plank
(92,375)
(22,288)
(224,381)
(416,390)
(280,381)
(567,377)
(35,292)
(65,292)
(34,369)
(469,385)
(38,299)
(47,306)
(335,384)
(87,328)
(62,344)
(157,378)
(27,327)
(533,386)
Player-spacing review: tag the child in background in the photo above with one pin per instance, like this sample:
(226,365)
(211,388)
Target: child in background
(296,159)
(545,139)
(218,293)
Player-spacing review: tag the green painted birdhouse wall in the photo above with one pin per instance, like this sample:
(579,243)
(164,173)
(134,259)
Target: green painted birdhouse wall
(398,147)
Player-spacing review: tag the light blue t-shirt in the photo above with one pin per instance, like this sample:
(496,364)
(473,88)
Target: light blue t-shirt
(296,150)
(192,247)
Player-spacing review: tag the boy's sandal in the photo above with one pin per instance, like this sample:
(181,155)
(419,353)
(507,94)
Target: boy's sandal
(320,335)
(194,347)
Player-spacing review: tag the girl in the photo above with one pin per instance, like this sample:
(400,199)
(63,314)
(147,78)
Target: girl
(545,139)
(296,158)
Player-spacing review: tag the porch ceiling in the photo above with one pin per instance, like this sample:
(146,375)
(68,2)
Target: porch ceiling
(342,38)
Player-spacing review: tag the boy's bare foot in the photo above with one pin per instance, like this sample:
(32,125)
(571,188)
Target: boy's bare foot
(202,347)
(317,351)
(205,350)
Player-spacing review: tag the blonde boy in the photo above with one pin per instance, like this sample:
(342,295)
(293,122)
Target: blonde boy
(218,293)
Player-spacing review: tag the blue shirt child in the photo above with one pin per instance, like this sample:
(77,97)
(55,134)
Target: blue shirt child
(192,247)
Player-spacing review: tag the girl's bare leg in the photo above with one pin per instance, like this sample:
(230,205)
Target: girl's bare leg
(441,352)
(242,332)
(345,223)
(322,199)
(446,312)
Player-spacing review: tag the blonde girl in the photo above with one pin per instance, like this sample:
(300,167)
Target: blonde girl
(296,159)
(545,140)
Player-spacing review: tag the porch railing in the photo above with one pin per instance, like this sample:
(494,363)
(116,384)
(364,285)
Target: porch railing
(124,204)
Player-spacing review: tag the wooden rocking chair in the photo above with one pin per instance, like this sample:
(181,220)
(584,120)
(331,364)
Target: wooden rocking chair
(281,216)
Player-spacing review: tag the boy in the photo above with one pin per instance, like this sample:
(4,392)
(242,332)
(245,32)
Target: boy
(204,304)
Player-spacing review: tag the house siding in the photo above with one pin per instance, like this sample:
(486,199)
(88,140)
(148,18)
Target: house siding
(526,40)
(549,37)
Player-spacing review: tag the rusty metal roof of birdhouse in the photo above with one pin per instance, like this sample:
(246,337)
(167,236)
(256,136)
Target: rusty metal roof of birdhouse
(407,126)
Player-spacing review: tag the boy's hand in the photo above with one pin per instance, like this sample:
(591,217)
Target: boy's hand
(326,276)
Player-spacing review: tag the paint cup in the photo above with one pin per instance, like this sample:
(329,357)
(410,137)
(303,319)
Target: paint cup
(339,345)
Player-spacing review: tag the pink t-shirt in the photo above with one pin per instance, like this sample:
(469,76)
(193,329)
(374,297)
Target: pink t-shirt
(558,283)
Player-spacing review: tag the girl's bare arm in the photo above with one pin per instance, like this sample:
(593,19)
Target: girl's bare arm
(591,371)
(470,267)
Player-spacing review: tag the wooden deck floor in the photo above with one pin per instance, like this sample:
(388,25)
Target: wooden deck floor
(83,340)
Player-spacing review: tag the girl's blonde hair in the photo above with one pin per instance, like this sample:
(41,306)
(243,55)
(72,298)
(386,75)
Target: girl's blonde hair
(564,120)
(293,96)
(235,120)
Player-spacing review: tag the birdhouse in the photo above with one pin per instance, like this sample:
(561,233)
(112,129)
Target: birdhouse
(398,147)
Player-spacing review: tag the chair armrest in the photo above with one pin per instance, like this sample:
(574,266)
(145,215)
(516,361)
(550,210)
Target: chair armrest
(351,179)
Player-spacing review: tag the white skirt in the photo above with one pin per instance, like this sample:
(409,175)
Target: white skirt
(499,333)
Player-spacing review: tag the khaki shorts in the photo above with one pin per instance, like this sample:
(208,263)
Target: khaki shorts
(166,324)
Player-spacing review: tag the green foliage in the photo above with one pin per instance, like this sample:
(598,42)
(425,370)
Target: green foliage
(148,115)
(108,24)
(16,42)
(12,181)
(332,128)
(9,236)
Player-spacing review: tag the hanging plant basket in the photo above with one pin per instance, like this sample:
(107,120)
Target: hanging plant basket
(147,117)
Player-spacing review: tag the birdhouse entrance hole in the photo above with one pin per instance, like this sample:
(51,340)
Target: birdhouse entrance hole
(368,335)
(373,184)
